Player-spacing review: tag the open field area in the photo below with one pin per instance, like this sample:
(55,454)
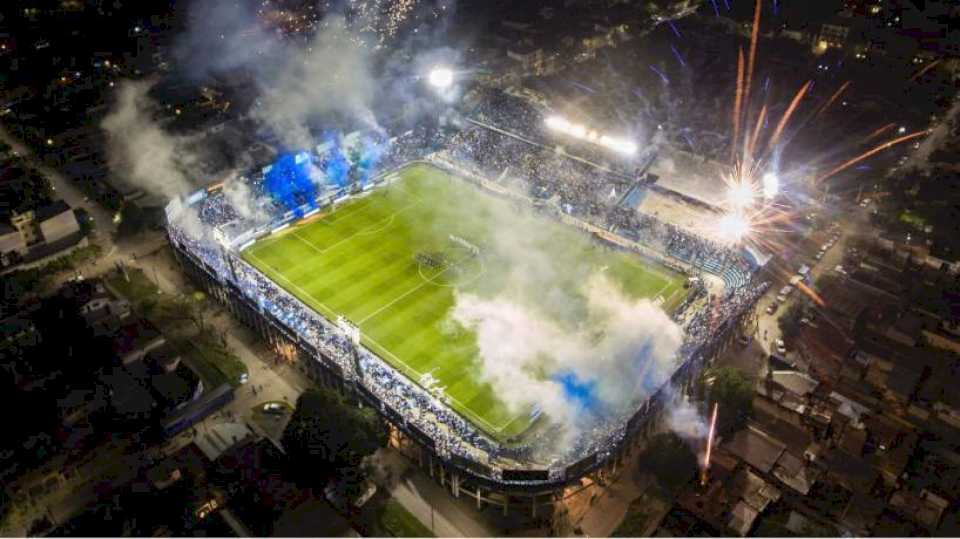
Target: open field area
(393,262)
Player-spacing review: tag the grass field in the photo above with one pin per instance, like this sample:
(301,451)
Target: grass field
(387,262)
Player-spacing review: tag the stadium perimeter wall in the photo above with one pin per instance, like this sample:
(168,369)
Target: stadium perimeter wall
(533,492)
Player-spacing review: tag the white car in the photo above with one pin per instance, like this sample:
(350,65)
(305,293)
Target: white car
(781,346)
(772,308)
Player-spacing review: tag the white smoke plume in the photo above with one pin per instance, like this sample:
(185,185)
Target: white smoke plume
(139,150)
(330,75)
(625,348)
(684,419)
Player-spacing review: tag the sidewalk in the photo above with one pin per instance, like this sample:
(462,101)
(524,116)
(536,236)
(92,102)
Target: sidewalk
(433,506)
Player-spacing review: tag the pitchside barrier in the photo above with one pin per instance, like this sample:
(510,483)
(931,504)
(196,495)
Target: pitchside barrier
(525,475)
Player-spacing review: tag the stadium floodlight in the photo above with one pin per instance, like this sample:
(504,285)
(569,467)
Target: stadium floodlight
(440,77)
(771,185)
(582,132)
(733,227)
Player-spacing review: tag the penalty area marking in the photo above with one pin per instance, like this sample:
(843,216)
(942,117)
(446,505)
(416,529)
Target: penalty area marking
(476,276)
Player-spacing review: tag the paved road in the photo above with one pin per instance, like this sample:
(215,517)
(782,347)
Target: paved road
(62,186)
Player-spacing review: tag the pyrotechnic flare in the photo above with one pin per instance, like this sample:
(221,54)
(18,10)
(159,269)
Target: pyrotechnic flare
(880,131)
(870,153)
(786,116)
(706,458)
(738,98)
(753,53)
(756,133)
(920,73)
(833,98)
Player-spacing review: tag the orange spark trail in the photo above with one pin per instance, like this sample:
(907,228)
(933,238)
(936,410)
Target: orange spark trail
(833,98)
(756,132)
(753,53)
(880,131)
(872,152)
(920,73)
(786,116)
(736,105)
(713,428)
(811,294)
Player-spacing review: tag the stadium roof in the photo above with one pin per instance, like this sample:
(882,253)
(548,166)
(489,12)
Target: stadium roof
(690,175)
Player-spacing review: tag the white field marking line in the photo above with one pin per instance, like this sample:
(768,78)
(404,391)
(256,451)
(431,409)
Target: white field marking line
(369,229)
(405,294)
(666,286)
(338,214)
(464,409)
(672,295)
(308,242)
(280,275)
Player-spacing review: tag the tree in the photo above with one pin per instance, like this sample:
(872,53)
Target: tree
(670,460)
(789,321)
(328,437)
(133,220)
(733,392)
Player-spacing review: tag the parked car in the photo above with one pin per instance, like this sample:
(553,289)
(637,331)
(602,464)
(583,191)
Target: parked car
(781,346)
(772,308)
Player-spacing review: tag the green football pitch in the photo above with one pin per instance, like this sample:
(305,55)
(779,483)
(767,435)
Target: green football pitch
(392,261)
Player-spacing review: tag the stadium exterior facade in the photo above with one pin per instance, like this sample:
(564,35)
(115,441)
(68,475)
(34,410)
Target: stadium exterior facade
(534,491)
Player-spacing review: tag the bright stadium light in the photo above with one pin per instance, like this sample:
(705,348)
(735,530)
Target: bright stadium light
(771,185)
(440,77)
(582,132)
(733,227)
(741,195)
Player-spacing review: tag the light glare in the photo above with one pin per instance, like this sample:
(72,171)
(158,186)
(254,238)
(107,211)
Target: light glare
(440,77)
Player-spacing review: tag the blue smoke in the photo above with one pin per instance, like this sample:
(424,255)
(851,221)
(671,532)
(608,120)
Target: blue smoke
(371,153)
(288,182)
(581,393)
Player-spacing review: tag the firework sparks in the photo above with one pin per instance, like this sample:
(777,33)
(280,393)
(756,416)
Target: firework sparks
(751,60)
(923,71)
(880,131)
(870,153)
(786,115)
(833,98)
(761,121)
(736,104)
(710,435)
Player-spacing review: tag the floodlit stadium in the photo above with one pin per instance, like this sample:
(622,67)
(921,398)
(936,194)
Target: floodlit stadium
(391,263)
(511,334)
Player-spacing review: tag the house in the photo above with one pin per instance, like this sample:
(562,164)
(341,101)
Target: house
(860,514)
(924,507)
(756,448)
(38,235)
(850,472)
(134,339)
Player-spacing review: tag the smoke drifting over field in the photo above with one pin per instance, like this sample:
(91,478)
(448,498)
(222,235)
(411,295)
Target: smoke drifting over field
(522,349)
(583,352)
